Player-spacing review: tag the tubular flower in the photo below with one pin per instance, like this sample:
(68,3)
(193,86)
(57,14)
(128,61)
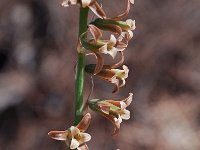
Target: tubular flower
(111,47)
(96,8)
(95,44)
(113,110)
(106,24)
(98,46)
(114,76)
(122,28)
(74,137)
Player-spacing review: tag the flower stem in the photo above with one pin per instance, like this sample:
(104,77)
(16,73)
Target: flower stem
(79,83)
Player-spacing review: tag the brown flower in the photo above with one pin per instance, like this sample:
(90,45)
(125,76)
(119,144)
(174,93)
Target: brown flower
(74,137)
(114,76)
(113,110)
(98,46)
(122,28)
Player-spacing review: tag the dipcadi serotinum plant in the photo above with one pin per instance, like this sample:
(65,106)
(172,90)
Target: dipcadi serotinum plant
(91,41)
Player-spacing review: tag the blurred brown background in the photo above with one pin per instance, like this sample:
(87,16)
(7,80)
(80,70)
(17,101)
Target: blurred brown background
(37,55)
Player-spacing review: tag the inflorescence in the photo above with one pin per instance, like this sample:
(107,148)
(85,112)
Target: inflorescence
(91,41)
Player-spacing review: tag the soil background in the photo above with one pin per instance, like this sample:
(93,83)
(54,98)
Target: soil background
(37,57)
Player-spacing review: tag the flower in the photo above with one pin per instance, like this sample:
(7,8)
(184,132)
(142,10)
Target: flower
(122,28)
(98,46)
(95,44)
(111,47)
(113,110)
(96,8)
(106,24)
(74,137)
(114,76)
(92,4)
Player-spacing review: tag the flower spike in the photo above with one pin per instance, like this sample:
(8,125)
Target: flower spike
(91,42)
(113,110)
(74,137)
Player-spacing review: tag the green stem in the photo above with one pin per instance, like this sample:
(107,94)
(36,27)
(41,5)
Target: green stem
(79,85)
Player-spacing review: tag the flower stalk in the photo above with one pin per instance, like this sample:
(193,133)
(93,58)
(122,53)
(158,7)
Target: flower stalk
(79,84)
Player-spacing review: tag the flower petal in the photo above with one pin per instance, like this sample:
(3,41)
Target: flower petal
(126,36)
(83,147)
(118,121)
(58,135)
(105,109)
(103,49)
(112,40)
(129,99)
(122,74)
(122,105)
(116,125)
(107,25)
(107,74)
(84,123)
(100,62)
(132,1)
(74,144)
(96,32)
(97,10)
(85,137)
(123,82)
(125,115)
(74,131)
(118,64)
(129,35)
(114,102)
(115,81)
(121,45)
(85,3)
(112,28)
(131,24)
(112,52)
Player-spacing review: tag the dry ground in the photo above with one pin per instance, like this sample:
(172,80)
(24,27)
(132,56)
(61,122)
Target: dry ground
(37,56)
